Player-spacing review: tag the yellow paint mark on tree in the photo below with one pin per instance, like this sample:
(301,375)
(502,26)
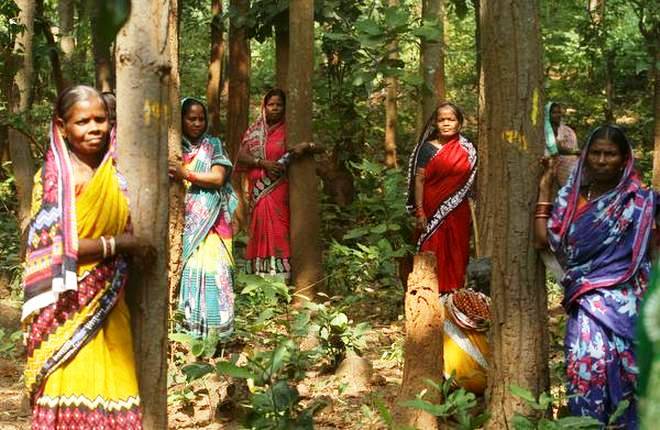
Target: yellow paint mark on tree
(154,111)
(515,138)
(535,107)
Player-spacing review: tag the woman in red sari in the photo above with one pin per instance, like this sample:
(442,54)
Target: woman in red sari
(263,154)
(442,170)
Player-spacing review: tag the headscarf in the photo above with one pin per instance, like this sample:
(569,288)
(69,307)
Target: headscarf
(255,136)
(550,140)
(607,243)
(52,244)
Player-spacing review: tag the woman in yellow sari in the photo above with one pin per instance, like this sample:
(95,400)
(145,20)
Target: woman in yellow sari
(80,370)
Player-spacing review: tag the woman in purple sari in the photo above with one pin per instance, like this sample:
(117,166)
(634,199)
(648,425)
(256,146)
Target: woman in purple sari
(600,228)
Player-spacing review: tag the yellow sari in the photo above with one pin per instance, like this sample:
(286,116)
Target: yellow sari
(80,369)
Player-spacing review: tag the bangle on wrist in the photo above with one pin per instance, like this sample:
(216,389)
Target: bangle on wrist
(257,162)
(113,248)
(104,247)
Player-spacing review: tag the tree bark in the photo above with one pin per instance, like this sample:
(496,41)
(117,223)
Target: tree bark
(303,182)
(432,59)
(511,125)
(177,191)
(239,80)
(391,113)
(65,12)
(20,102)
(104,68)
(424,319)
(282,52)
(656,116)
(145,122)
(609,86)
(215,81)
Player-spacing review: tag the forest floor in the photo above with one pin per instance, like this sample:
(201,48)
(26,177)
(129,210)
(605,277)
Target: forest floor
(210,406)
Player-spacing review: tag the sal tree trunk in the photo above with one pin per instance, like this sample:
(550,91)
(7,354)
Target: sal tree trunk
(432,59)
(239,79)
(282,51)
(511,125)
(20,101)
(215,81)
(145,93)
(656,117)
(391,113)
(303,182)
(104,69)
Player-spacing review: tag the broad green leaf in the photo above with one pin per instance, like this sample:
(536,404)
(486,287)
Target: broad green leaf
(195,371)
(230,369)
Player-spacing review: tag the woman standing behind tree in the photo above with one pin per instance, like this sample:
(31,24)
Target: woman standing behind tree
(600,231)
(206,296)
(561,140)
(442,170)
(80,370)
(264,155)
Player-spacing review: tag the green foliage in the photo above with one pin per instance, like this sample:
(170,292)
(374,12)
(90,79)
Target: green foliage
(543,406)
(9,342)
(114,14)
(10,262)
(457,405)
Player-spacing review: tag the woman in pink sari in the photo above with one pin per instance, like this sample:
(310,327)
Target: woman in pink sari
(264,157)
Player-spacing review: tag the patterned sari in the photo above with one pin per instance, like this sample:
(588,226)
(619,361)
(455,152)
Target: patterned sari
(648,353)
(602,246)
(268,251)
(80,371)
(449,175)
(206,297)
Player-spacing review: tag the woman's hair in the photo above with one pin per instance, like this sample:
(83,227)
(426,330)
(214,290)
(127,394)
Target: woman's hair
(275,92)
(614,134)
(189,103)
(554,105)
(72,95)
(457,111)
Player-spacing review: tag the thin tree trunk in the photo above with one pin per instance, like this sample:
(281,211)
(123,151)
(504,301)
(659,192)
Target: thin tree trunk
(61,83)
(215,81)
(145,91)
(104,68)
(20,101)
(432,59)
(303,182)
(424,338)
(65,12)
(655,56)
(609,86)
(282,52)
(239,80)
(177,191)
(391,113)
(511,124)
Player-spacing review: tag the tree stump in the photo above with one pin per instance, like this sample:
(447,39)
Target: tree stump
(423,347)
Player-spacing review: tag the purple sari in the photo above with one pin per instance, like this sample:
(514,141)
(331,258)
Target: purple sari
(602,246)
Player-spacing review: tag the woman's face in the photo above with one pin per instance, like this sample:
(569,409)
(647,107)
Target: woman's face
(274,109)
(447,123)
(194,122)
(555,115)
(86,126)
(605,160)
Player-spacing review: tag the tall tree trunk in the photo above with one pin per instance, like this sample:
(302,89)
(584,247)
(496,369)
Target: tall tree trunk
(432,59)
(654,74)
(104,68)
(53,53)
(20,101)
(65,12)
(391,113)
(609,86)
(215,81)
(511,125)
(177,191)
(282,51)
(239,79)
(303,182)
(146,90)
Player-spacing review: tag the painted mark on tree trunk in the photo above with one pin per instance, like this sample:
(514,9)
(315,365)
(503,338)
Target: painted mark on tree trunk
(535,107)
(154,111)
(515,138)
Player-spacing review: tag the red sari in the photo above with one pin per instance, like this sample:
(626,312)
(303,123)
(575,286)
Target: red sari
(268,250)
(449,175)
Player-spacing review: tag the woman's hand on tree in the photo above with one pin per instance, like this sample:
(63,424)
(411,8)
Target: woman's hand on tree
(127,243)
(176,171)
(305,148)
(273,168)
(549,171)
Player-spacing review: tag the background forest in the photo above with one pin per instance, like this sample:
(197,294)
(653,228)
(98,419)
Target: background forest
(599,60)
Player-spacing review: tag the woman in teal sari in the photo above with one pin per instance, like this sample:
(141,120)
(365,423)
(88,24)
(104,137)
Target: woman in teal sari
(206,294)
